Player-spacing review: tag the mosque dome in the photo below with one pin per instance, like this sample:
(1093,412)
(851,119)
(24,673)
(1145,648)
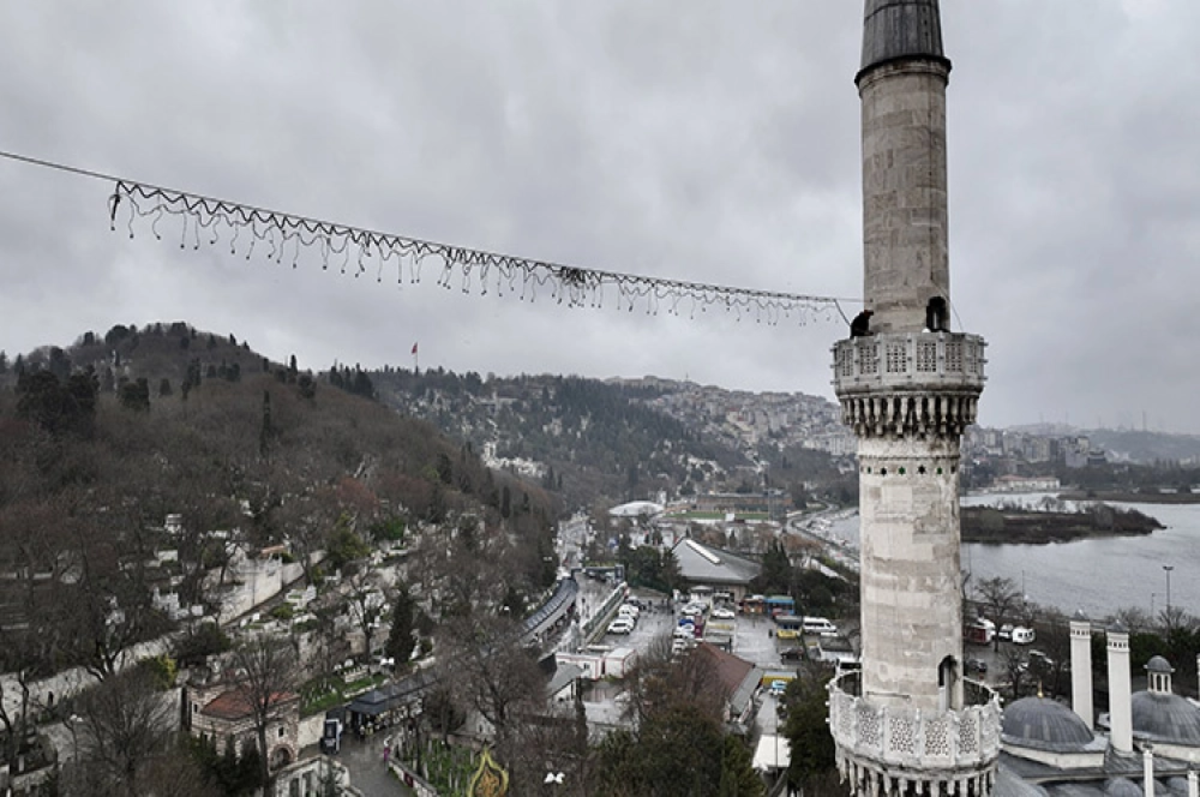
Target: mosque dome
(1043,724)
(1122,787)
(1159,664)
(1163,717)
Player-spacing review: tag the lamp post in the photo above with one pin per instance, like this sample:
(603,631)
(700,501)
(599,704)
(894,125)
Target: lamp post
(72,723)
(1168,569)
(1152,594)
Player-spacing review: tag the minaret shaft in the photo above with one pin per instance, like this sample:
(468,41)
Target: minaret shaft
(905,240)
(909,723)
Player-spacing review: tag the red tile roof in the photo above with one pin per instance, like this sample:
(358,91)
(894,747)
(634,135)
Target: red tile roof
(730,670)
(237,704)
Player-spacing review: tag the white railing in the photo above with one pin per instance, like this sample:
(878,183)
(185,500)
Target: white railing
(966,739)
(909,360)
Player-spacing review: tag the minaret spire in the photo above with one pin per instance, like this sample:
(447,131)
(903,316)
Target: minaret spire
(894,29)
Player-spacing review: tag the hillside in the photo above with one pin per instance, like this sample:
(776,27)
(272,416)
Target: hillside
(620,440)
(100,441)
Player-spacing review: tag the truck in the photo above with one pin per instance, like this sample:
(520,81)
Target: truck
(980,632)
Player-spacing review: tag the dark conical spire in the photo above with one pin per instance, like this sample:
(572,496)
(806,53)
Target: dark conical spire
(895,29)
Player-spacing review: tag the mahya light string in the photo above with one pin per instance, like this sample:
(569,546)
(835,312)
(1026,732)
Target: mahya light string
(280,237)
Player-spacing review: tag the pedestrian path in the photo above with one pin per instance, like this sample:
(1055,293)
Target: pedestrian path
(368,772)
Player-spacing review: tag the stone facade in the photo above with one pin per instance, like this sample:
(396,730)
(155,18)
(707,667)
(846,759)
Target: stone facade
(221,711)
(909,724)
(905,243)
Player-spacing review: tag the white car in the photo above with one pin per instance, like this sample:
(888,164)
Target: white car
(621,625)
(722,613)
(626,610)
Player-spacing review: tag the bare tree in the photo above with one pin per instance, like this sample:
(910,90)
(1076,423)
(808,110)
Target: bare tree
(490,671)
(1054,637)
(1135,619)
(1001,597)
(1014,664)
(366,599)
(267,669)
(124,723)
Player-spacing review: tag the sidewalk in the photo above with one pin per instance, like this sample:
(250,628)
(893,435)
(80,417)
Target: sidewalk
(364,761)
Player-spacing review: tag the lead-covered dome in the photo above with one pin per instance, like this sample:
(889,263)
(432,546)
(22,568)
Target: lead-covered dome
(1043,724)
(1164,717)
(1122,787)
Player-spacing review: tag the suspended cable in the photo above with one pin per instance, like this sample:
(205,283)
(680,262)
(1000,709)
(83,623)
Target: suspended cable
(280,236)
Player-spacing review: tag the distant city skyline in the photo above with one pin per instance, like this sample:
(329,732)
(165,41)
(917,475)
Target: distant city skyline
(718,147)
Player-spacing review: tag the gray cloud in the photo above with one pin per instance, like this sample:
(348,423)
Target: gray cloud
(709,141)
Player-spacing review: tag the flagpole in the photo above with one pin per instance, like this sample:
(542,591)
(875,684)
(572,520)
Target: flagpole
(416,361)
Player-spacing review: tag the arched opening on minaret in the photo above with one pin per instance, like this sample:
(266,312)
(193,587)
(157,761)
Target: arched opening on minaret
(937,315)
(947,678)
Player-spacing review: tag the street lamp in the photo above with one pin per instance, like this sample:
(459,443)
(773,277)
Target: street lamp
(1168,569)
(72,723)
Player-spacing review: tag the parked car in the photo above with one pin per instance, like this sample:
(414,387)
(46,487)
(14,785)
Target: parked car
(621,625)
(684,632)
(721,613)
(977,665)
(777,688)
(1005,631)
(792,654)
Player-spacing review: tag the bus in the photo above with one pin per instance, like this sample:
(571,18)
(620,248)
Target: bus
(788,626)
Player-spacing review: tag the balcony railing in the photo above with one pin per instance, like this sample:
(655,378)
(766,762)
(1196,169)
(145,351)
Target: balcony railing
(913,360)
(888,737)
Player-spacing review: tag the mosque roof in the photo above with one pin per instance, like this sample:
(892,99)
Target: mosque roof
(1044,724)
(1122,787)
(1162,717)
(700,564)
(1159,664)
(895,29)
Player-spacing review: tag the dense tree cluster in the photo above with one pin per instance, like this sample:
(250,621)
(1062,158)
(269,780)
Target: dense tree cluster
(86,485)
(594,438)
(680,746)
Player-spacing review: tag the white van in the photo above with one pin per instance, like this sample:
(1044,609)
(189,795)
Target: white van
(1023,636)
(819,626)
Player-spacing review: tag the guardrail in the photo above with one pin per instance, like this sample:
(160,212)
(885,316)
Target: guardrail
(599,621)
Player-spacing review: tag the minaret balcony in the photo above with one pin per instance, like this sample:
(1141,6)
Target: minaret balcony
(900,742)
(909,362)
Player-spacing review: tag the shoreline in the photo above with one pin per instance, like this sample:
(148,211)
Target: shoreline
(1131,498)
(992,526)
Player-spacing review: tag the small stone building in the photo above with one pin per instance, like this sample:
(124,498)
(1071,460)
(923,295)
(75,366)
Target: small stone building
(223,710)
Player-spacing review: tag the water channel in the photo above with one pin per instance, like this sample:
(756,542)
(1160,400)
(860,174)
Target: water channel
(1099,576)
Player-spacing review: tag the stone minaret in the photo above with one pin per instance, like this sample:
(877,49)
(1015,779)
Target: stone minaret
(909,724)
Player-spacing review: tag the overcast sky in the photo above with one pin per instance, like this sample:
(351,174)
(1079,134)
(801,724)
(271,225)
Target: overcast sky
(704,141)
